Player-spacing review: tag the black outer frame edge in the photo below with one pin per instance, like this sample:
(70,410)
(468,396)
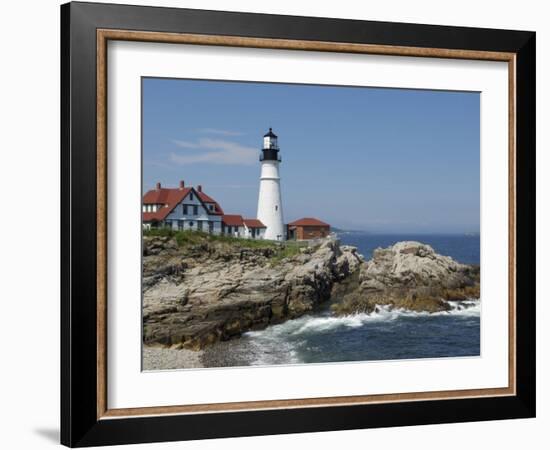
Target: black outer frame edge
(79,292)
(65,370)
(178,20)
(79,426)
(302,420)
(526,223)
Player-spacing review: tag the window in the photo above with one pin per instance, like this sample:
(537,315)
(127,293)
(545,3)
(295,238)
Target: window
(190,224)
(211,207)
(229,230)
(195,210)
(191,196)
(199,225)
(185,209)
(276,207)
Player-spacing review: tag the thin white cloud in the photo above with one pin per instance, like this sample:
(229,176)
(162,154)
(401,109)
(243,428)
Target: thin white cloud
(186,144)
(219,132)
(218,151)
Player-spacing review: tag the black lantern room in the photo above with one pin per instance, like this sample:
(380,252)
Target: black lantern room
(270,151)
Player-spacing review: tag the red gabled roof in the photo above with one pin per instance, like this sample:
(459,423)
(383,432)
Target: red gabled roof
(254,223)
(207,199)
(164,195)
(233,220)
(168,197)
(155,216)
(309,222)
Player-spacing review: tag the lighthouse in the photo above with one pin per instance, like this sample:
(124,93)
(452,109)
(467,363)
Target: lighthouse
(270,207)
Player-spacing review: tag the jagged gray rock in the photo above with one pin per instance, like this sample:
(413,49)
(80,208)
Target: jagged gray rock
(197,296)
(409,275)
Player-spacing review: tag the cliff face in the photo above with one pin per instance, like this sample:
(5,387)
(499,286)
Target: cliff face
(206,290)
(198,294)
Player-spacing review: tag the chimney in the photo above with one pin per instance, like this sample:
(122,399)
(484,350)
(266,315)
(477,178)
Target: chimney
(182,184)
(158,186)
(199,188)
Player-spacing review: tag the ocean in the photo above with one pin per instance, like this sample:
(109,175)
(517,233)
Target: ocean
(382,335)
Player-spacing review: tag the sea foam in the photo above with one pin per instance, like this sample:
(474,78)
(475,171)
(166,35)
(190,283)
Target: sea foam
(382,313)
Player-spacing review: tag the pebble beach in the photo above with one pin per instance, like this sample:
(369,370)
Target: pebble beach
(159,358)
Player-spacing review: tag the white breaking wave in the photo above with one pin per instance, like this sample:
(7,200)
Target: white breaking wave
(277,336)
(382,313)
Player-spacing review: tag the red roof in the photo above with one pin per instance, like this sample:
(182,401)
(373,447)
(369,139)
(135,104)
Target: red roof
(254,223)
(170,198)
(233,220)
(155,216)
(309,222)
(207,199)
(164,195)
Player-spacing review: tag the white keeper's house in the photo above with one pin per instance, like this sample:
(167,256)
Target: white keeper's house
(187,208)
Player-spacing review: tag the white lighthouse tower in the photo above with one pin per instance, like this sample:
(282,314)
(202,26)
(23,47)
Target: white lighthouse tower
(270,207)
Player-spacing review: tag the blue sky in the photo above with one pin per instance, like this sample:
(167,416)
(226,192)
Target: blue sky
(380,160)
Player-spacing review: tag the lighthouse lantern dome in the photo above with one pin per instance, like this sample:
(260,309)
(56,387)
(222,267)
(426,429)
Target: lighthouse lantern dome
(270,140)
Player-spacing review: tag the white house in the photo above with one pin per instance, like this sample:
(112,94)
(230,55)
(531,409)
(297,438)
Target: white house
(254,229)
(187,208)
(233,225)
(182,208)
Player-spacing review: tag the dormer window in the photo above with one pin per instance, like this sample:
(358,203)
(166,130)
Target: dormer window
(151,207)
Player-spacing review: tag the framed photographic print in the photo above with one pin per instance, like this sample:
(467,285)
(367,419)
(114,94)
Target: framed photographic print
(276,224)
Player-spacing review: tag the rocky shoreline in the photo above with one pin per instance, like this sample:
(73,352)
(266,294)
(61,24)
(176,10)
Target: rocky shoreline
(408,275)
(200,289)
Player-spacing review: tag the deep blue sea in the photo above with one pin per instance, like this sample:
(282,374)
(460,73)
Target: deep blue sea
(462,247)
(382,335)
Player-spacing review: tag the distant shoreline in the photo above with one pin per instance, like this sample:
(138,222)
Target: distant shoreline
(337,230)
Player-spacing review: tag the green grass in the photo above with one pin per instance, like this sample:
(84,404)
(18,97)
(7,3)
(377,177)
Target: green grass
(185,238)
(286,251)
(165,232)
(197,237)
